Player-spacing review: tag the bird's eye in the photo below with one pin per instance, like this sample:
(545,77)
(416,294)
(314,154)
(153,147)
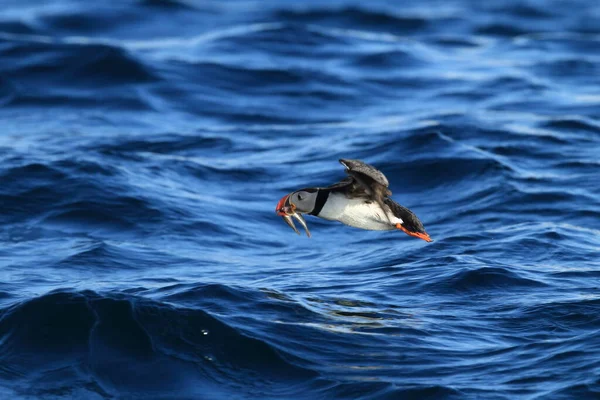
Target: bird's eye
(300,198)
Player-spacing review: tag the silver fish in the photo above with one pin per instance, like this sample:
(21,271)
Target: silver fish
(288,220)
(300,219)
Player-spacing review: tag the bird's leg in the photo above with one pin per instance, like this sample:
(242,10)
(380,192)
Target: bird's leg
(419,235)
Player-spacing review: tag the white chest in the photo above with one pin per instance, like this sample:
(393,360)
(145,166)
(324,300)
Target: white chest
(357,213)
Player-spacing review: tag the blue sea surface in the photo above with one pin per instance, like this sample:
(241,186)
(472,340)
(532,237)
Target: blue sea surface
(144,145)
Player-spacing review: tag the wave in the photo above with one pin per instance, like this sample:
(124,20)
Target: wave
(166,4)
(168,143)
(117,344)
(73,76)
(486,279)
(499,29)
(356,17)
(75,65)
(573,124)
(564,314)
(68,192)
(17,27)
(387,59)
(145,145)
(565,68)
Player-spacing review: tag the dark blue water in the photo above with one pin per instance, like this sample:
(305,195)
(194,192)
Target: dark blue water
(145,144)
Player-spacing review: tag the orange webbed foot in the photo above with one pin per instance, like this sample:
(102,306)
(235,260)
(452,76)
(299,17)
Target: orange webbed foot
(419,235)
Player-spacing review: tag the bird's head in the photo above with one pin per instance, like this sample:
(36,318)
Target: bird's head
(300,201)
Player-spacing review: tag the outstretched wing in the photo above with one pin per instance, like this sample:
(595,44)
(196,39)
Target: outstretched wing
(354,167)
(374,181)
(350,186)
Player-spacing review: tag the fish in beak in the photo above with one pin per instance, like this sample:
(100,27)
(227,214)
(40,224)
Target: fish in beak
(284,207)
(287,210)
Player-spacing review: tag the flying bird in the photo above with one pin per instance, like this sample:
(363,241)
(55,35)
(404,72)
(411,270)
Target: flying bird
(362,200)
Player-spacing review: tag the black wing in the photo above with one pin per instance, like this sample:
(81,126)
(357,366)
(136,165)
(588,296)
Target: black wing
(349,186)
(374,183)
(356,167)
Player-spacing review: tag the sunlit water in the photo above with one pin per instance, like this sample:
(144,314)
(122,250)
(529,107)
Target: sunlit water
(145,144)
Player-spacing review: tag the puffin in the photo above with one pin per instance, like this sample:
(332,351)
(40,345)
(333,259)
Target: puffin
(362,200)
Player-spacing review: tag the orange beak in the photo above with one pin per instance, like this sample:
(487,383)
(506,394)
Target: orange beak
(419,235)
(284,207)
(280,205)
(287,210)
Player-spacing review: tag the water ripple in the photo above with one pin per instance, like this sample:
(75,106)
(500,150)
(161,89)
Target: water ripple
(144,148)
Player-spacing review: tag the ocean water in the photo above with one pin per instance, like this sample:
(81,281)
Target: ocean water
(144,145)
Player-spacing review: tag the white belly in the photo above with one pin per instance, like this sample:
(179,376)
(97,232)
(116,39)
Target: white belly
(355,212)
